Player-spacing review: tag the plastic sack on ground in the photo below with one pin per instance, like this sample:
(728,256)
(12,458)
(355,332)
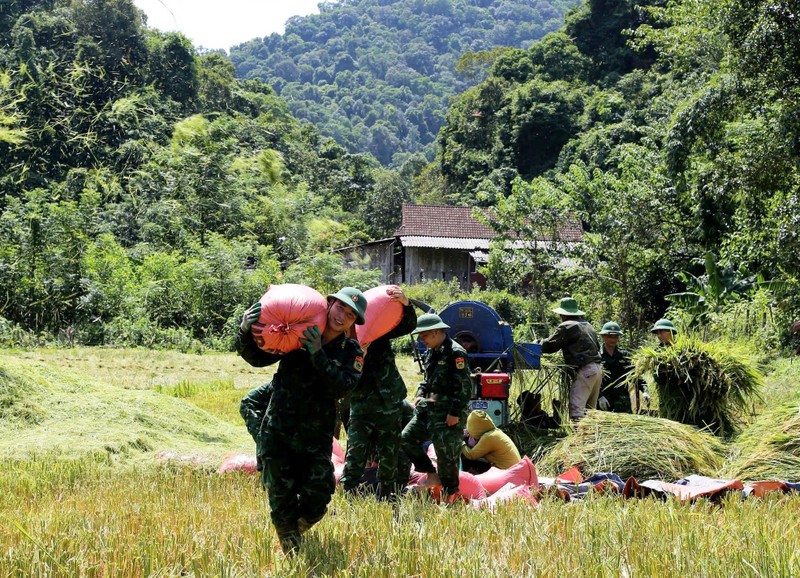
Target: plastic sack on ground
(469,487)
(762,488)
(337,450)
(286,311)
(338,470)
(238,463)
(507,493)
(521,474)
(384,315)
(685,490)
(337,459)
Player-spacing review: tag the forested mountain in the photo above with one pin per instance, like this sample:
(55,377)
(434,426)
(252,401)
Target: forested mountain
(672,129)
(147,195)
(144,190)
(377,74)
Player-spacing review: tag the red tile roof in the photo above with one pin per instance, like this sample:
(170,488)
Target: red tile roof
(458,222)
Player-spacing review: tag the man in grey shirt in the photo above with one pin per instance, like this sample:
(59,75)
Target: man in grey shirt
(577,340)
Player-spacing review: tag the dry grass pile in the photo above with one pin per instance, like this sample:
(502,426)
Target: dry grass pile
(45,409)
(713,385)
(770,448)
(635,445)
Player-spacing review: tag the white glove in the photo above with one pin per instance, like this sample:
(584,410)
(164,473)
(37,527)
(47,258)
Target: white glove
(603,404)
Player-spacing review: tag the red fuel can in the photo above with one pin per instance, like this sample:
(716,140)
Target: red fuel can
(494,385)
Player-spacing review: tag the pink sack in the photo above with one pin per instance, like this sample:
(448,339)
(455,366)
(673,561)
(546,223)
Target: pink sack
(415,478)
(286,311)
(338,470)
(384,315)
(506,494)
(238,463)
(469,488)
(520,474)
(337,450)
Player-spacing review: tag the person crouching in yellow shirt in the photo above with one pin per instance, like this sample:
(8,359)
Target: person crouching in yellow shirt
(494,446)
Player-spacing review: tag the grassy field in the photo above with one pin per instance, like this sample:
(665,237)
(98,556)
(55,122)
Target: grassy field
(109,469)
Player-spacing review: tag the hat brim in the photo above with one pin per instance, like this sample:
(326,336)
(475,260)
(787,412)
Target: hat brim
(611,333)
(657,329)
(359,318)
(562,311)
(419,330)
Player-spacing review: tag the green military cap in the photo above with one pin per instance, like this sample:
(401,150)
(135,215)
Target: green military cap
(568,306)
(611,328)
(429,321)
(354,299)
(664,324)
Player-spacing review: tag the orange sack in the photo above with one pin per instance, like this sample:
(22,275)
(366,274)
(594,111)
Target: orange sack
(286,311)
(383,315)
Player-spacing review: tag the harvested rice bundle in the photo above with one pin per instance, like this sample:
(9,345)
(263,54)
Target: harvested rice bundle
(770,448)
(711,385)
(635,445)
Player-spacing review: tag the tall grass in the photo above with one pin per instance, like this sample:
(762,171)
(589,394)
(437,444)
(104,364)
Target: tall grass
(70,507)
(84,518)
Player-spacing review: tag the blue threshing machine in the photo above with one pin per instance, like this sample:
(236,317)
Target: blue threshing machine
(493,355)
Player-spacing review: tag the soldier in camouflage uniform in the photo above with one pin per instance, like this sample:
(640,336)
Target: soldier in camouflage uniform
(577,340)
(440,404)
(292,417)
(614,395)
(376,408)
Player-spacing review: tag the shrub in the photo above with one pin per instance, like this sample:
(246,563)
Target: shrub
(703,384)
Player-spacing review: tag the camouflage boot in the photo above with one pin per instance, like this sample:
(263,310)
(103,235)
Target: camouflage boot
(289,538)
(388,492)
(304,524)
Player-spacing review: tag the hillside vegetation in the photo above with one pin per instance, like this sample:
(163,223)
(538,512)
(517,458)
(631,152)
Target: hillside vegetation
(377,75)
(147,195)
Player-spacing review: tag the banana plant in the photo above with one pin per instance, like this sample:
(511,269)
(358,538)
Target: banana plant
(712,291)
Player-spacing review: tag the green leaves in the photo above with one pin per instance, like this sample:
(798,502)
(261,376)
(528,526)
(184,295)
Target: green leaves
(377,78)
(711,292)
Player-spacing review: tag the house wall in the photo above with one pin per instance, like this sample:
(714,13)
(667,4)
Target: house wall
(376,256)
(442,264)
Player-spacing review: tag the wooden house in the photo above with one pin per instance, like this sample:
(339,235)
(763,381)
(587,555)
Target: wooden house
(434,242)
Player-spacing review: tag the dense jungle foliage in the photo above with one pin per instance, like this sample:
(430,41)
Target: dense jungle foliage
(147,195)
(377,75)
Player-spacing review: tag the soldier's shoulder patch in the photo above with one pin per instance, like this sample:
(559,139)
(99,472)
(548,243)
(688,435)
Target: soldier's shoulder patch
(358,364)
(460,363)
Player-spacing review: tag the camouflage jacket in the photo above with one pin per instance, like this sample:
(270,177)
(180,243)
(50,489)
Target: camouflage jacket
(447,378)
(616,368)
(578,341)
(381,385)
(301,398)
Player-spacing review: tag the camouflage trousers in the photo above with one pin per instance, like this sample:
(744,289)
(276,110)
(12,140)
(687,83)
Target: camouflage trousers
(429,423)
(375,431)
(298,476)
(619,398)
